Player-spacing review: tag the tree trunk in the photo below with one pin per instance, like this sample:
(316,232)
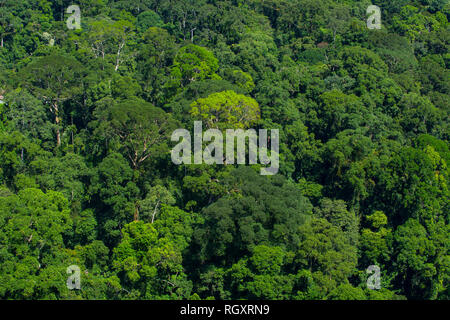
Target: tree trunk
(136,213)
(118,55)
(154,211)
(58,137)
(334,38)
(57,121)
(192,34)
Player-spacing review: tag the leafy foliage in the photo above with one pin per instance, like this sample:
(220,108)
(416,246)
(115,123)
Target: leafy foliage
(86,178)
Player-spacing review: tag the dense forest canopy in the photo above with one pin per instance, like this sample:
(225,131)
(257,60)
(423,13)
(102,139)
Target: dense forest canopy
(86,177)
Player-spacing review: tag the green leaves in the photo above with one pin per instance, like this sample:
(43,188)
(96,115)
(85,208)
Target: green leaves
(323,247)
(414,189)
(116,193)
(32,226)
(141,129)
(193,63)
(375,243)
(149,262)
(267,260)
(415,250)
(226,110)
(363,119)
(262,211)
(54,78)
(40,218)
(148,19)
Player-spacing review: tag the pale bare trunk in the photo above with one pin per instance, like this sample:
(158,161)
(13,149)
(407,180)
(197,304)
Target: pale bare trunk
(154,211)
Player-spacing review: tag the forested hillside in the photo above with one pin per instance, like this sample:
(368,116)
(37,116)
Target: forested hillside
(86,176)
